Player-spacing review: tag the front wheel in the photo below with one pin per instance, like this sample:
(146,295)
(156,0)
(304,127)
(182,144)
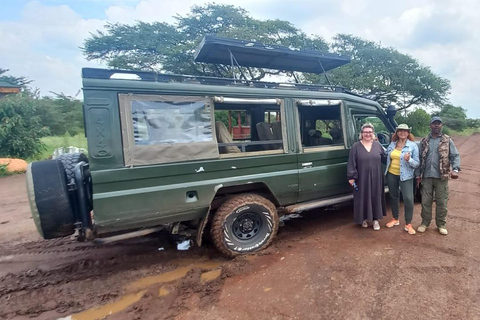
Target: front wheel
(244,224)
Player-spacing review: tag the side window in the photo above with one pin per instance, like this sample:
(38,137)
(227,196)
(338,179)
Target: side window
(248,126)
(381,131)
(320,123)
(168,122)
(161,129)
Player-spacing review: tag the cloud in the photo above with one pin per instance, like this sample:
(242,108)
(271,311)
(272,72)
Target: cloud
(45,46)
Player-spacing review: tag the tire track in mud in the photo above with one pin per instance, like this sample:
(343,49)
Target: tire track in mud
(75,248)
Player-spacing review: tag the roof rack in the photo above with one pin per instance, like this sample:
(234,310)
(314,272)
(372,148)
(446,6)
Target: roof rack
(240,53)
(95,73)
(226,51)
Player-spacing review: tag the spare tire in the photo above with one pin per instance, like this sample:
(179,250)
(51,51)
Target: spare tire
(49,199)
(69,161)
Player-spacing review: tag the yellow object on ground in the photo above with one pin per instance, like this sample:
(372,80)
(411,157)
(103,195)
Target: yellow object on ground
(14,165)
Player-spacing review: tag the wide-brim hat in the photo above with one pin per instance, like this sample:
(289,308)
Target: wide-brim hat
(403,126)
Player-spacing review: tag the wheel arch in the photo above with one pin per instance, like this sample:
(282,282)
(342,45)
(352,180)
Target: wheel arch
(259,188)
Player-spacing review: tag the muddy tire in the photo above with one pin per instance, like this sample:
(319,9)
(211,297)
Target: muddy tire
(244,224)
(49,199)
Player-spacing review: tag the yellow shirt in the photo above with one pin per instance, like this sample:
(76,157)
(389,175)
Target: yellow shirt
(394,167)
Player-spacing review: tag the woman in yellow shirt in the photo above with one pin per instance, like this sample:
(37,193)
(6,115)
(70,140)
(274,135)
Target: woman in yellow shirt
(402,159)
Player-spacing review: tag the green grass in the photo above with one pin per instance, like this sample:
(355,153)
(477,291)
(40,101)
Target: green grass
(53,142)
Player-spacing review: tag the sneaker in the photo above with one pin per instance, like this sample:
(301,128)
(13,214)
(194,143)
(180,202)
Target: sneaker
(422,228)
(443,231)
(409,229)
(365,224)
(376,225)
(392,223)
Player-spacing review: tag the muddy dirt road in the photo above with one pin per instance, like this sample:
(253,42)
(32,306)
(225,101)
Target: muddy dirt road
(320,266)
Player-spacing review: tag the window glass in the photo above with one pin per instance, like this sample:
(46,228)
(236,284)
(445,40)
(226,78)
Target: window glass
(165,129)
(381,131)
(320,126)
(248,128)
(167,122)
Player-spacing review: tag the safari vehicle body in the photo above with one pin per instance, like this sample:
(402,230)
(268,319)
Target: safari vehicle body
(162,153)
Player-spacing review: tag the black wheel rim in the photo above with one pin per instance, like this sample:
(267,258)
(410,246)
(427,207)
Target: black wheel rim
(246,226)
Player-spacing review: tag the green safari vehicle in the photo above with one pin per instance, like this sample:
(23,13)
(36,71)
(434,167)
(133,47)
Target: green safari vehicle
(186,153)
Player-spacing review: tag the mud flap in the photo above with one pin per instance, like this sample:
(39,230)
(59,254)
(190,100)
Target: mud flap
(201,227)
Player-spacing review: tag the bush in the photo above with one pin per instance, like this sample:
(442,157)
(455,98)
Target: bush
(20,128)
(473,123)
(454,117)
(60,114)
(3,170)
(418,120)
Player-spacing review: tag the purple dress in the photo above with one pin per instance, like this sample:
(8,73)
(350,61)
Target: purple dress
(366,168)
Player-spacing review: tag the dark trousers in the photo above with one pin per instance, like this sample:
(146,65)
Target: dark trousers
(394,186)
(439,188)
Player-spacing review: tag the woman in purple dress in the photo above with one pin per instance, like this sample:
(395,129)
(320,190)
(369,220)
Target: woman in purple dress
(365,174)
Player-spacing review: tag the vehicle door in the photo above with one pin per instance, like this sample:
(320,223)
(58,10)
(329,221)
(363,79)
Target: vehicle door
(323,156)
(358,115)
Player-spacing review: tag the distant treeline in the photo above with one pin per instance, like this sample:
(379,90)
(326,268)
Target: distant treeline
(454,118)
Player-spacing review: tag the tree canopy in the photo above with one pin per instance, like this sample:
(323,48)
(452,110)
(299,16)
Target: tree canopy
(20,127)
(383,74)
(164,47)
(386,75)
(453,117)
(16,81)
(418,120)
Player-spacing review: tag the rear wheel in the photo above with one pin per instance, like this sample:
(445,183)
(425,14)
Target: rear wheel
(49,199)
(244,224)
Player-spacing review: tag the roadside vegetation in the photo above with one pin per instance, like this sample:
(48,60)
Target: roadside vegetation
(50,143)
(32,126)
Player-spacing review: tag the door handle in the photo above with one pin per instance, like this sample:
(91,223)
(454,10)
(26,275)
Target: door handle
(307,164)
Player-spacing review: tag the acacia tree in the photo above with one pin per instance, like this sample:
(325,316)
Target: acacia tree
(387,75)
(383,74)
(167,47)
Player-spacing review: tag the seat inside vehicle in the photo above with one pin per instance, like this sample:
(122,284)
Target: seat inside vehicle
(223,136)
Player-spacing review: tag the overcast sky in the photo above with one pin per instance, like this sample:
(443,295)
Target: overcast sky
(40,39)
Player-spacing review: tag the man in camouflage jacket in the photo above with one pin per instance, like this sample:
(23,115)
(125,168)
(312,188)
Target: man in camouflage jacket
(439,161)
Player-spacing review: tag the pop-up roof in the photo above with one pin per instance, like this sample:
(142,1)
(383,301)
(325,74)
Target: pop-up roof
(226,51)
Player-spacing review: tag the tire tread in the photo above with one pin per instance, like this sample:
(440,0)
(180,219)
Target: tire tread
(227,208)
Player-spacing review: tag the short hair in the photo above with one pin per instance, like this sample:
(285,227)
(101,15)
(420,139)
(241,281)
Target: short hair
(365,125)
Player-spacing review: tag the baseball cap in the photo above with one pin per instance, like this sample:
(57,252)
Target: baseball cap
(436,118)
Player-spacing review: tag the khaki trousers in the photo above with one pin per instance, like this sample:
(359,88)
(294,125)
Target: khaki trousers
(439,188)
